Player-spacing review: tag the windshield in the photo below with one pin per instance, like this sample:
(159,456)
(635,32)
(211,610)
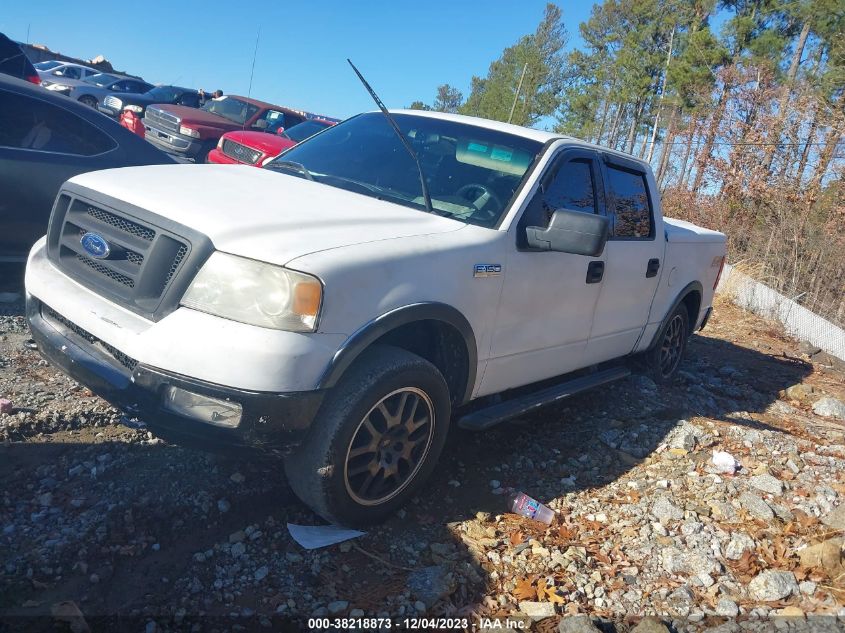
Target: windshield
(164,93)
(101,79)
(233,109)
(302,131)
(472,172)
(47,65)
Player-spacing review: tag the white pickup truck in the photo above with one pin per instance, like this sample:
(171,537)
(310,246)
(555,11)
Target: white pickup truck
(333,306)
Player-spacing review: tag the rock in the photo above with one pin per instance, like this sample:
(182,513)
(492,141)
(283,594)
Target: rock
(5,406)
(237,537)
(338,606)
(770,586)
(680,601)
(727,608)
(767,483)
(223,505)
(835,519)
(664,510)
(826,555)
(650,625)
(237,478)
(495,483)
(830,408)
(261,573)
(356,613)
(576,624)
(238,549)
(724,463)
(756,506)
(800,392)
(431,584)
(46,499)
(419,606)
(807,587)
(691,562)
(740,541)
(537,610)
(789,612)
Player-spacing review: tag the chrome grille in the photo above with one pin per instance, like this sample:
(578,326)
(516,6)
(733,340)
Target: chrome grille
(113,102)
(162,119)
(240,152)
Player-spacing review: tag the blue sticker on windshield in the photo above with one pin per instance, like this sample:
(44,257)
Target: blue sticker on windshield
(477,147)
(500,153)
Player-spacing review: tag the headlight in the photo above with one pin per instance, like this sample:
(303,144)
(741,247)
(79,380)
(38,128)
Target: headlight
(253,292)
(188,131)
(60,87)
(134,108)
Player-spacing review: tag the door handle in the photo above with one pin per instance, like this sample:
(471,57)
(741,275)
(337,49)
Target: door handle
(652,268)
(595,271)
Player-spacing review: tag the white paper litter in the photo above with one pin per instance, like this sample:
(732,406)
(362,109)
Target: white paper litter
(725,462)
(316,536)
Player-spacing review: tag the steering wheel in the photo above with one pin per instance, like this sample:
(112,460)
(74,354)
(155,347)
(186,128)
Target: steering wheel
(487,196)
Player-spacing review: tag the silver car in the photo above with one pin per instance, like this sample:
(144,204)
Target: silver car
(95,87)
(61,77)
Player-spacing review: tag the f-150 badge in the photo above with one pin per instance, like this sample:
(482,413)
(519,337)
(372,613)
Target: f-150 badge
(487,270)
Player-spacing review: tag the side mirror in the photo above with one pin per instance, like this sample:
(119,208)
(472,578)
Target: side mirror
(280,131)
(261,124)
(571,232)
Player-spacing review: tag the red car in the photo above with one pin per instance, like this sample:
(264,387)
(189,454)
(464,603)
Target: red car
(256,148)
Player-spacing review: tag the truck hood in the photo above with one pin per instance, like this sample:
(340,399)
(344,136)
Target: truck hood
(261,214)
(195,115)
(270,144)
(679,231)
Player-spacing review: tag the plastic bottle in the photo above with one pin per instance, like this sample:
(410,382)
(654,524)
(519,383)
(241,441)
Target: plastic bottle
(524,505)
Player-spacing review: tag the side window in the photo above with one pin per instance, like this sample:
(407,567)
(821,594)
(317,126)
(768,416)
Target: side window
(190,99)
(32,124)
(122,86)
(72,72)
(572,187)
(628,204)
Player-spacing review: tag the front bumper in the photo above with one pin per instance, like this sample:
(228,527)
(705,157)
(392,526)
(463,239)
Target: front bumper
(170,142)
(111,112)
(269,420)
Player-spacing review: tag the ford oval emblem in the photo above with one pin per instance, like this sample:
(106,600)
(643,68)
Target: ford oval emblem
(95,245)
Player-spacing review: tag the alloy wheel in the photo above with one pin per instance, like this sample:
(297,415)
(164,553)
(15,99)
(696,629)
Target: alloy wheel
(389,446)
(672,346)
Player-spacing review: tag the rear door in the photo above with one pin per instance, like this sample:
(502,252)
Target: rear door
(633,259)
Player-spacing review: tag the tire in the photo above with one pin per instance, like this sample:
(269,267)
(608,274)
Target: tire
(88,100)
(664,359)
(332,470)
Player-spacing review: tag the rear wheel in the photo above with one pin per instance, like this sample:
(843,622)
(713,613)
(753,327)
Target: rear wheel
(88,100)
(664,359)
(376,439)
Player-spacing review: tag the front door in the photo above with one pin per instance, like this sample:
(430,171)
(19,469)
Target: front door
(547,304)
(633,260)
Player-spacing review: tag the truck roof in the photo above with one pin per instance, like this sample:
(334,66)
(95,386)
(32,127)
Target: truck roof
(518,130)
(272,106)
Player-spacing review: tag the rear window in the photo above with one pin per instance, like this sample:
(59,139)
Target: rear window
(101,79)
(628,204)
(34,125)
(302,131)
(47,65)
(13,61)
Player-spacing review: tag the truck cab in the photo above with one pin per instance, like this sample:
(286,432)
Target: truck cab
(353,299)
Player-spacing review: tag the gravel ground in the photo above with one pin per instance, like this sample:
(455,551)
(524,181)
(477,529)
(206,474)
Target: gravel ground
(116,523)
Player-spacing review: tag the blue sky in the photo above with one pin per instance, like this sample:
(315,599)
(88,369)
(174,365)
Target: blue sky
(405,49)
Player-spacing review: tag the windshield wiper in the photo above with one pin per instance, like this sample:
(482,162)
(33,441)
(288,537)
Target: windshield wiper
(291,165)
(401,136)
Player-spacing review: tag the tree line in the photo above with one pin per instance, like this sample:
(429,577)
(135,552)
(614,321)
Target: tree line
(737,104)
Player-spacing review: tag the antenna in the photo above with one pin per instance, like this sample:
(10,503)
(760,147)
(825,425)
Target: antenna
(252,71)
(401,136)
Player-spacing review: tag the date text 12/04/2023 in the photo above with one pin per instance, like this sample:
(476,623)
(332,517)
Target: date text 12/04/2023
(416,624)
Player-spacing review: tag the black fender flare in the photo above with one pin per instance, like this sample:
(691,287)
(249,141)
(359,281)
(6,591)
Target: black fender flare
(693,286)
(366,335)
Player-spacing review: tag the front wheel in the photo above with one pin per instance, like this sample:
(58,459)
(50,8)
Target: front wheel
(664,359)
(88,100)
(376,439)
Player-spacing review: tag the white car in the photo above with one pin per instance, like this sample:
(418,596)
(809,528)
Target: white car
(324,306)
(62,76)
